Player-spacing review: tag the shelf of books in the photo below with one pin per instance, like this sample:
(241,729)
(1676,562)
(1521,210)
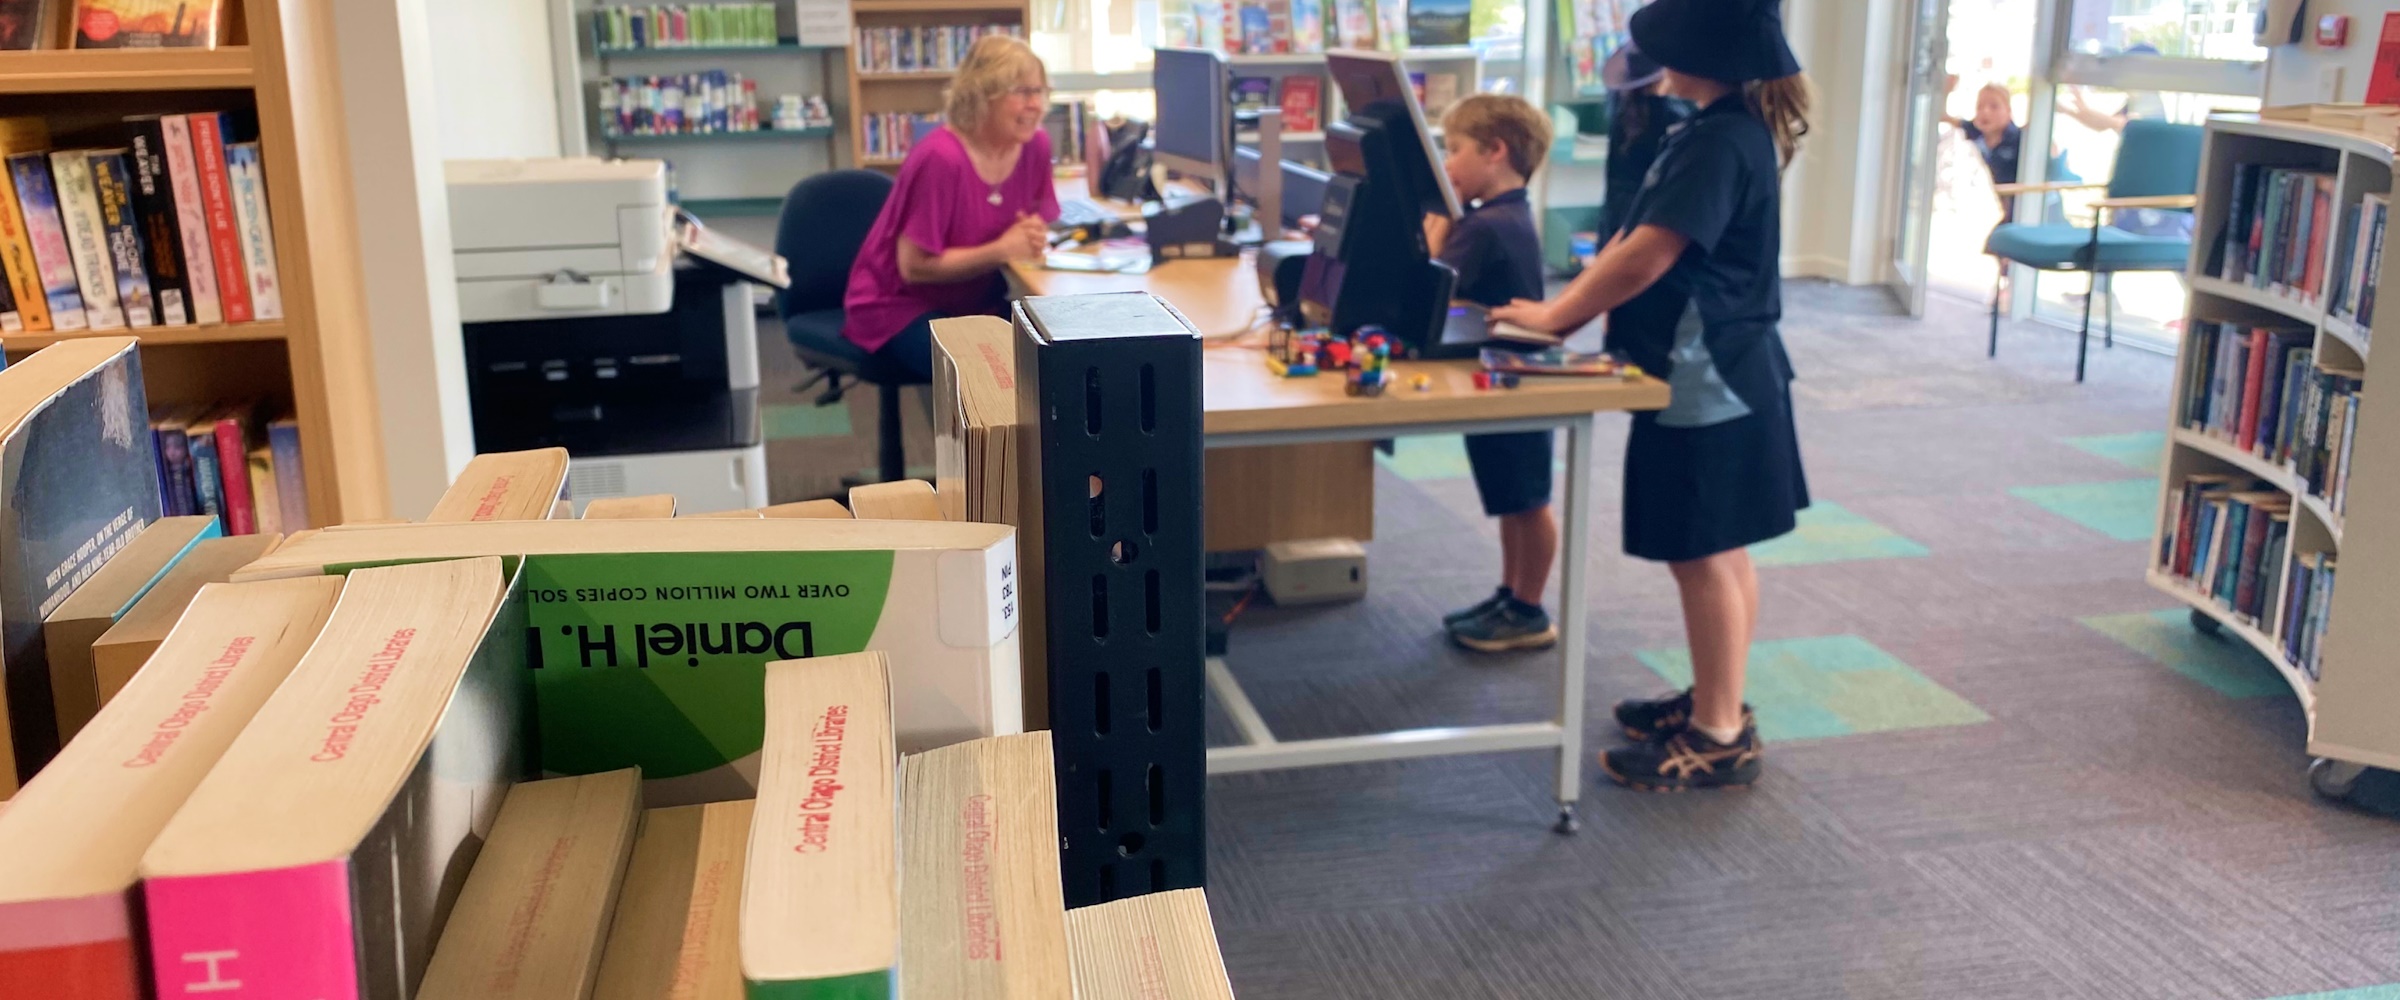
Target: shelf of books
(174,172)
(2280,478)
(902,54)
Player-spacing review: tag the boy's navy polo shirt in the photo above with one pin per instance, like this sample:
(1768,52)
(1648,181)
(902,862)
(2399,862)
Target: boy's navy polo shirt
(1496,252)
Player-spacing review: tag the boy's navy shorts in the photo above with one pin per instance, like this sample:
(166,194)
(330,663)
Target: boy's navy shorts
(1512,471)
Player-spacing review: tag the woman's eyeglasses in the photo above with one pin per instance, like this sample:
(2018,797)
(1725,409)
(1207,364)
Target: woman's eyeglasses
(1029,93)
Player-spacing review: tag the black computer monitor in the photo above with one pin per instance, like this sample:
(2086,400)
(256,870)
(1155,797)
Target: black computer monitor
(1194,132)
(1374,85)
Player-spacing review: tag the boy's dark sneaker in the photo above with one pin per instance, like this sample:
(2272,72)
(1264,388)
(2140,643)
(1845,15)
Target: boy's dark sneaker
(1514,624)
(1686,760)
(1478,609)
(1647,720)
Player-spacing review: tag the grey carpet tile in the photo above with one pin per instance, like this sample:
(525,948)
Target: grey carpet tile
(2335,863)
(2127,916)
(1536,946)
(1881,931)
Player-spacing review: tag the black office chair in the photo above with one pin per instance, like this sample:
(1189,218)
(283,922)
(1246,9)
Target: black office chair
(825,219)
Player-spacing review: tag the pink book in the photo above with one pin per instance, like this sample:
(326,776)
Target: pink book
(310,863)
(75,834)
(191,218)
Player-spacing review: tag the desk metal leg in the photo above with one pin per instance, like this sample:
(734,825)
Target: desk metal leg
(1574,614)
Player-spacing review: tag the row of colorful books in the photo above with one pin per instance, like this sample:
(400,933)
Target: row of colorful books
(2265,391)
(1301,97)
(169,229)
(223,461)
(2306,612)
(684,26)
(113,24)
(680,104)
(890,135)
(2229,538)
(1262,27)
(2286,233)
(921,48)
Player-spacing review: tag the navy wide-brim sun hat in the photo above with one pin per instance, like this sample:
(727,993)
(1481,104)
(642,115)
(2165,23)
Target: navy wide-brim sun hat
(1736,41)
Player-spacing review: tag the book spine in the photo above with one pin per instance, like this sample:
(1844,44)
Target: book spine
(24,270)
(216,200)
(291,485)
(207,479)
(2254,543)
(2320,211)
(79,205)
(46,231)
(191,218)
(75,949)
(2237,222)
(2366,296)
(265,506)
(112,187)
(233,473)
(249,182)
(2246,426)
(175,471)
(161,228)
(271,934)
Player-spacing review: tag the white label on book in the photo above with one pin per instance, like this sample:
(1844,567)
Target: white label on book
(978,595)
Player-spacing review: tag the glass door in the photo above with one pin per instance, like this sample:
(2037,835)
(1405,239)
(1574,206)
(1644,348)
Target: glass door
(1927,86)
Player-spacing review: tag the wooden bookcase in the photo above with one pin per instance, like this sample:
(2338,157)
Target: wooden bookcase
(276,58)
(915,92)
(2351,705)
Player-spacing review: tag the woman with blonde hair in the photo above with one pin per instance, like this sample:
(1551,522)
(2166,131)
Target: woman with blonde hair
(1691,286)
(972,196)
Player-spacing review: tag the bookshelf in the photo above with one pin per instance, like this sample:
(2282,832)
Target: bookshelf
(913,92)
(274,58)
(2354,692)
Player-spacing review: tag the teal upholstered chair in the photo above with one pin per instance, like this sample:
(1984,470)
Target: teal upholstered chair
(2143,224)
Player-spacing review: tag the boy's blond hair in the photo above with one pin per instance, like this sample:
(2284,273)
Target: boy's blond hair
(995,64)
(1508,120)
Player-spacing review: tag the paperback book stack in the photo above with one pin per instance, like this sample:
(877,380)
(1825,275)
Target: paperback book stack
(684,26)
(681,104)
(925,48)
(2265,391)
(2278,226)
(165,226)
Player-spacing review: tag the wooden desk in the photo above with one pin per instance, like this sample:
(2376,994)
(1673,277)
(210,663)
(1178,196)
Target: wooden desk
(1219,294)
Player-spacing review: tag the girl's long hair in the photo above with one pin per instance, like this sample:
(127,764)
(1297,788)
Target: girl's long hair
(1782,103)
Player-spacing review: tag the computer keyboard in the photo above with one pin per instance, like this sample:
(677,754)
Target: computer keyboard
(1078,212)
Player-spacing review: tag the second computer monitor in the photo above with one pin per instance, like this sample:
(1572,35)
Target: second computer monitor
(1374,83)
(1194,133)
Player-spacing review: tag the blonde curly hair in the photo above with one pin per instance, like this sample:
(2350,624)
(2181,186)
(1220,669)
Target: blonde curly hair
(995,64)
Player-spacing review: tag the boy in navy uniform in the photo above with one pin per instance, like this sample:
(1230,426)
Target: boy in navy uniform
(1493,144)
(1693,294)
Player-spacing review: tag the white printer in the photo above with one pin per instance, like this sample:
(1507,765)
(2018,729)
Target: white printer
(586,328)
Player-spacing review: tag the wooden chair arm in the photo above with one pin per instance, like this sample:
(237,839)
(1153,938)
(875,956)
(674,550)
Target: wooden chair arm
(2150,201)
(2008,190)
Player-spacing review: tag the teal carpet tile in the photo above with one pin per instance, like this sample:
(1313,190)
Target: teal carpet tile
(1836,685)
(1830,532)
(2125,509)
(2225,665)
(1421,459)
(2391,992)
(784,421)
(2146,451)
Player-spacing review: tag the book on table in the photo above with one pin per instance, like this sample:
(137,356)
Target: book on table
(652,505)
(983,915)
(69,922)
(94,608)
(534,913)
(719,599)
(821,890)
(903,500)
(118,654)
(1159,946)
(506,486)
(675,931)
(314,860)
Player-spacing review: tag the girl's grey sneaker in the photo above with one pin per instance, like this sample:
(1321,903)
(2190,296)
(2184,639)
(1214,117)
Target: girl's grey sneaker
(1478,609)
(1650,719)
(1512,625)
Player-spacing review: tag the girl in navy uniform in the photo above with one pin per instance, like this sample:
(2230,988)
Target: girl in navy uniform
(1692,292)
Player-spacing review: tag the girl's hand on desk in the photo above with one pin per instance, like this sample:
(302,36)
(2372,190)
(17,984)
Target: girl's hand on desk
(1527,313)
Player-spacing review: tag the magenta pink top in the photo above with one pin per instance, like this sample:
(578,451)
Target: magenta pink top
(938,203)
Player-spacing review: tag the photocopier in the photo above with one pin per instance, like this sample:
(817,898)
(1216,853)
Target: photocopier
(594,321)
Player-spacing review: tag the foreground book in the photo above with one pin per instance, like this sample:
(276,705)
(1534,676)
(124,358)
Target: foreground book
(905,500)
(311,862)
(531,920)
(76,485)
(652,505)
(675,929)
(506,486)
(821,893)
(808,509)
(96,607)
(1155,947)
(613,603)
(120,652)
(984,917)
(75,834)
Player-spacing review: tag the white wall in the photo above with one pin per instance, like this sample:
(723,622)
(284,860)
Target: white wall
(1838,195)
(495,95)
(2293,70)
